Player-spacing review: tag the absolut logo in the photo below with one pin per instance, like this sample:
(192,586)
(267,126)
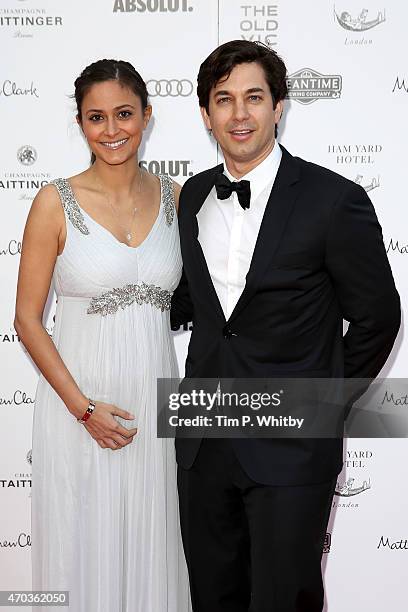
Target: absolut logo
(307,86)
(172,167)
(260,22)
(361,154)
(152,6)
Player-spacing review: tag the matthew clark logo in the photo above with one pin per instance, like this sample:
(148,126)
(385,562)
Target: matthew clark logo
(357,24)
(12,89)
(307,86)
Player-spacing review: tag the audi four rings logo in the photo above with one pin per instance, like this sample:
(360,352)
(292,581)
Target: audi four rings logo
(170,87)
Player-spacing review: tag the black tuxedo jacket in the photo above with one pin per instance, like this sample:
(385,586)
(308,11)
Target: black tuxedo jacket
(319,258)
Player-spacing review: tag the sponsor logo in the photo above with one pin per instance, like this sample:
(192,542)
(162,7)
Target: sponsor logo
(307,86)
(327,543)
(400,85)
(21,181)
(13,248)
(18,398)
(361,22)
(9,337)
(25,21)
(10,88)
(395,247)
(172,167)
(170,87)
(355,153)
(348,488)
(27,155)
(397,545)
(152,6)
(21,541)
(30,457)
(260,23)
(367,184)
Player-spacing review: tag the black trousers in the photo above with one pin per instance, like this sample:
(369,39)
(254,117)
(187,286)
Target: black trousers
(250,547)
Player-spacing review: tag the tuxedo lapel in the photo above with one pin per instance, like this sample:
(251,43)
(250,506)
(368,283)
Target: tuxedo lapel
(278,209)
(201,273)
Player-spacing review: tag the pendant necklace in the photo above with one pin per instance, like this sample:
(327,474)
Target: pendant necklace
(127,232)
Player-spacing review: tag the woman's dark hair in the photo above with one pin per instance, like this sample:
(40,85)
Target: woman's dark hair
(109,70)
(220,63)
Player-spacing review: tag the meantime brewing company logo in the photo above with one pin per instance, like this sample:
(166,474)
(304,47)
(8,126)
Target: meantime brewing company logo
(152,6)
(260,23)
(352,486)
(25,22)
(306,86)
(358,24)
(23,181)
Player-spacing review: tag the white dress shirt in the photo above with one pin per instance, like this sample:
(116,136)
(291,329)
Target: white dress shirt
(228,233)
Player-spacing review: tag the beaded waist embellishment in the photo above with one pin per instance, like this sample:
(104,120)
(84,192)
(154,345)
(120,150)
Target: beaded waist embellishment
(110,301)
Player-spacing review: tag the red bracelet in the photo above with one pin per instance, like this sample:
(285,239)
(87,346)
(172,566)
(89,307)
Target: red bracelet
(89,411)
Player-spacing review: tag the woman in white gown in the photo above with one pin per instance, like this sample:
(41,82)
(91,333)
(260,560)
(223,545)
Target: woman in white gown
(104,504)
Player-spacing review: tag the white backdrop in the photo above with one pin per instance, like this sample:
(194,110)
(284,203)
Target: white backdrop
(349,91)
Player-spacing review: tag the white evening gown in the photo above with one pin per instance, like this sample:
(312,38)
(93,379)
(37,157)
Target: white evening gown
(105,523)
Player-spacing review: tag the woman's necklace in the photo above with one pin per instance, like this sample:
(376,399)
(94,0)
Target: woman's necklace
(127,231)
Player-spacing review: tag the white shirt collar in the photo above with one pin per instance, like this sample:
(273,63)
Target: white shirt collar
(263,174)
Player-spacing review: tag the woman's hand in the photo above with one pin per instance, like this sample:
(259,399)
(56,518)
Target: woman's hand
(106,430)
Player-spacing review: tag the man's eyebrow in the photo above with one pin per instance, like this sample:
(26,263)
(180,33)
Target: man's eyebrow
(225,92)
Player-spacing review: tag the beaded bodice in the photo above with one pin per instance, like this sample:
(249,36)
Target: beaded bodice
(112,275)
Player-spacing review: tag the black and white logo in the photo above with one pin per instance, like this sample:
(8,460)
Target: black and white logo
(152,6)
(169,87)
(307,85)
(367,184)
(400,85)
(27,155)
(348,488)
(30,457)
(172,167)
(359,23)
(327,543)
(10,88)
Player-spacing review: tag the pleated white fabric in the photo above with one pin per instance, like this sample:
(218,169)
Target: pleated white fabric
(105,523)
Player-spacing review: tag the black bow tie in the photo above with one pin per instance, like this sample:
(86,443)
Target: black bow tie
(225,187)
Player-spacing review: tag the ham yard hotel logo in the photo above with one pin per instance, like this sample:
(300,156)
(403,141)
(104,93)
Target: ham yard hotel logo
(357,25)
(25,22)
(307,85)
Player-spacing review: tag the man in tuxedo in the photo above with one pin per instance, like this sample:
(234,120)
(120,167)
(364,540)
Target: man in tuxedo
(277,251)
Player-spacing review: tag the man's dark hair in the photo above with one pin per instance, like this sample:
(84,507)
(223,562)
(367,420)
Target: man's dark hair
(220,63)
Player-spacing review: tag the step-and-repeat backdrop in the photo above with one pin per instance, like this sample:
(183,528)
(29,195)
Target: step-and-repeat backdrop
(347,110)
